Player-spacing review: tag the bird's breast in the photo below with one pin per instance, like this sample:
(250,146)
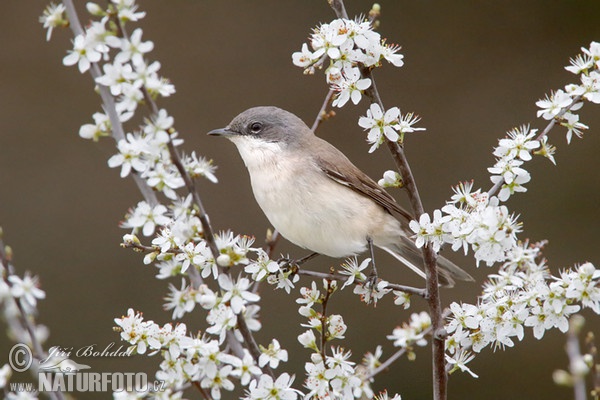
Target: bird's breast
(305,206)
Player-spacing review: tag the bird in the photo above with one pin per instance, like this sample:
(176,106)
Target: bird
(316,198)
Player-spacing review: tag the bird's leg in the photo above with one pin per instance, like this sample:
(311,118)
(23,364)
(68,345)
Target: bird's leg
(372,279)
(289,263)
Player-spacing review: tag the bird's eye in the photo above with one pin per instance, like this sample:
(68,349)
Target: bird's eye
(256,127)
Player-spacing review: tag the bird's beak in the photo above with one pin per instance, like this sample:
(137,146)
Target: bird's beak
(226,132)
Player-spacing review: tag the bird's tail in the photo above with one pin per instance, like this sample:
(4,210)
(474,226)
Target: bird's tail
(407,253)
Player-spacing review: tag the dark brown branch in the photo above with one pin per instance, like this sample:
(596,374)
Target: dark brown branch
(440,376)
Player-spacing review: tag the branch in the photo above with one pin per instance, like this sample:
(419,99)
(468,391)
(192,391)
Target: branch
(188,181)
(38,351)
(575,357)
(440,377)
(494,189)
(323,114)
(400,352)
(109,104)
(147,192)
(343,278)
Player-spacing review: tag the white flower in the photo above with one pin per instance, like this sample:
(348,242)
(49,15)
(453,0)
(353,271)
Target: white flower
(390,179)
(146,217)
(402,299)
(267,389)
(571,122)
(164,178)
(336,327)
(222,319)
(308,340)
(430,231)
(130,155)
(237,294)
(133,48)
(195,254)
(101,127)
(262,267)
(380,125)
(310,295)
(303,58)
(199,166)
(553,105)
(370,293)
(580,64)
(519,144)
(354,271)
(26,289)
(83,54)
(219,381)
(460,361)
(245,368)
(272,355)
(180,301)
(53,18)
(350,88)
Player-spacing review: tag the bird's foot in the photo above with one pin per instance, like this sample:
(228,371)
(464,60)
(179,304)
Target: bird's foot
(286,263)
(371,281)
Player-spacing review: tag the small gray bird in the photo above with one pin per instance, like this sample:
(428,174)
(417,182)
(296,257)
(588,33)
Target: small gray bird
(315,197)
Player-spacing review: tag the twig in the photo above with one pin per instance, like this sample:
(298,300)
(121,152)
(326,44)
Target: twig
(38,350)
(109,104)
(324,328)
(205,395)
(575,358)
(323,111)
(400,352)
(146,191)
(494,189)
(251,343)
(440,377)
(343,278)
(188,181)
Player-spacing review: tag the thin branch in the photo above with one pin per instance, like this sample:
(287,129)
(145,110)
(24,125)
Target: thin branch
(26,323)
(496,187)
(400,352)
(339,8)
(344,278)
(109,104)
(575,358)
(323,114)
(146,191)
(187,179)
(440,376)
(324,329)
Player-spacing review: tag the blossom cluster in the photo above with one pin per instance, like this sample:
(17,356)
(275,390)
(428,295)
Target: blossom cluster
(412,333)
(349,45)
(125,71)
(186,358)
(391,125)
(471,220)
(522,294)
(561,104)
(329,376)
(18,307)
(476,219)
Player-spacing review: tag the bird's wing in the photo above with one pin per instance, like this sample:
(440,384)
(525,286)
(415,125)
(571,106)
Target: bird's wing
(357,180)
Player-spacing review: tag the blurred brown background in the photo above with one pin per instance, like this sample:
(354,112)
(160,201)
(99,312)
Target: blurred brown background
(473,70)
